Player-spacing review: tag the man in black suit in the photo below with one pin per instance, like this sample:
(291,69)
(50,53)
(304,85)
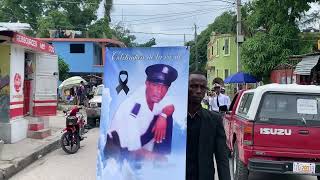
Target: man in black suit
(205,136)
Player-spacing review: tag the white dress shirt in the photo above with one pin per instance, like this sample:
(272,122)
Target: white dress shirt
(223,101)
(130,127)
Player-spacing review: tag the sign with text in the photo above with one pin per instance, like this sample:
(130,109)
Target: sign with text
(143,116)
(30,42)
(307,106)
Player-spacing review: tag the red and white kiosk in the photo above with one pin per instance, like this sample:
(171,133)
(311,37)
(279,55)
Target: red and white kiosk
(28,86)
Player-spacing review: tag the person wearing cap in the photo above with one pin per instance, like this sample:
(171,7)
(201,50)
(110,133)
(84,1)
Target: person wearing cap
(220,102)
(142,125)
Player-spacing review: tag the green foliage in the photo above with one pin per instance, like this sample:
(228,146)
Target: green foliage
(79,15)
(225,23)
(123,34)
(100,29)
(263,51)
(63,69)
(54,20)
(149,43)
(22,11)
(108,9)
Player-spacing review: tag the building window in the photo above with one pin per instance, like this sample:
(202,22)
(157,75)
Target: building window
(226,73)
(217,45)
(212,50)
(226,46)
(97,55)
(77,48)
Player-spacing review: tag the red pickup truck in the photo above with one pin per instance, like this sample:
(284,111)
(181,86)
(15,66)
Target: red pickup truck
(275,128)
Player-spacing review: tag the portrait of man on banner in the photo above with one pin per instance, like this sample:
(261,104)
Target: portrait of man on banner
(144,110)
(142,126)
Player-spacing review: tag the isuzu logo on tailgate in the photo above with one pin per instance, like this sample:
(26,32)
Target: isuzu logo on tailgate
(279,132)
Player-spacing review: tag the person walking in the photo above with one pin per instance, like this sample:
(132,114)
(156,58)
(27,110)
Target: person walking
(220,102)
(205,136)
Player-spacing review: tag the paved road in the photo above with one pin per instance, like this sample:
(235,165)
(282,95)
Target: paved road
(82,166)
(61,166)
(265,176)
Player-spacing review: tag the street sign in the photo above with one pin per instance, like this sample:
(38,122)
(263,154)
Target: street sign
(319,44)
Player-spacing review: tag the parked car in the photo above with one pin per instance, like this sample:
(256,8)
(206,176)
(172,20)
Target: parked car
(276,129)
(94,108)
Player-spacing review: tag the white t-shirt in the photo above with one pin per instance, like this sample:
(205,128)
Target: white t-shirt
(129,126)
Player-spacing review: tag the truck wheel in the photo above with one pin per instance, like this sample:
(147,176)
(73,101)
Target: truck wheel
(240,171)
(318,177)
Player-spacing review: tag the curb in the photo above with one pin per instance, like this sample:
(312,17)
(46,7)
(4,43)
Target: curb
(19,164)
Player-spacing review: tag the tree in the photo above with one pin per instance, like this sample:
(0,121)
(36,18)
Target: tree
(63,69)
(22,11)
(263,51)
(79,14)
(225,23)
(44,15)
(54,20)
(100,29)
(123,34)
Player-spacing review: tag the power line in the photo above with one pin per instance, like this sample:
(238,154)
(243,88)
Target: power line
(183,28)
(147,4)
(173,19)
(176,14)
(173,13)
(160,33)
(192,12)
(164,14)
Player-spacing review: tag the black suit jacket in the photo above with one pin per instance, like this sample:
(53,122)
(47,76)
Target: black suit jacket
(212,142)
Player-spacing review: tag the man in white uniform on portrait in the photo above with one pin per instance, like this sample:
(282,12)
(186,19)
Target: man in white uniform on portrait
(141,128)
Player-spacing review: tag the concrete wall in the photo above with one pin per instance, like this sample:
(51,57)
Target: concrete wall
(78,62)
(16,129)
(284,76)
(4,83)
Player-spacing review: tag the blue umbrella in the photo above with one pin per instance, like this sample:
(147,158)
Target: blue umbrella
(241,77)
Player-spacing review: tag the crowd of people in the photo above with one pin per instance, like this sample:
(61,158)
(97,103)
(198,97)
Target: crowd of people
(78,95)
(216,99)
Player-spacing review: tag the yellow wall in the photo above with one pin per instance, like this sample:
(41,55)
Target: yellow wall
(4,75)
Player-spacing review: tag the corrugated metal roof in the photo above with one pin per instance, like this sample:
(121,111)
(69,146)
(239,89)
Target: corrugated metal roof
(304,67)
(4,26)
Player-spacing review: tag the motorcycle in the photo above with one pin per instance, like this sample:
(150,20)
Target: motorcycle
(74,131)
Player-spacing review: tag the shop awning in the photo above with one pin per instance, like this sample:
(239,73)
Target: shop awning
(308,62)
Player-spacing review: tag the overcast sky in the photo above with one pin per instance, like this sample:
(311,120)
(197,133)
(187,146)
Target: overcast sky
(169,19)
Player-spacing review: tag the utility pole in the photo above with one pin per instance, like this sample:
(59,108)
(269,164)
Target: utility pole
(196,46)
(239,35)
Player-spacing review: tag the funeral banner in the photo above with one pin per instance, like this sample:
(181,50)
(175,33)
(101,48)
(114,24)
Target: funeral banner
(143,116)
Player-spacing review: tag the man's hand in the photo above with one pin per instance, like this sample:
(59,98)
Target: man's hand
(168,110)
(160,129)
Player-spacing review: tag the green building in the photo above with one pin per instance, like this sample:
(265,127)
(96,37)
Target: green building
(222,56)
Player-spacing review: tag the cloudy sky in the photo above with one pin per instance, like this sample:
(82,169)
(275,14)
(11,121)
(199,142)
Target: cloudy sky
(171,18)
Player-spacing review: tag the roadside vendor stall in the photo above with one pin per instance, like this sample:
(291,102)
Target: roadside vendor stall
(28,85)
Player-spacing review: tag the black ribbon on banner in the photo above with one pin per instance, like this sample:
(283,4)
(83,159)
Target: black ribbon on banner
(123,84)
